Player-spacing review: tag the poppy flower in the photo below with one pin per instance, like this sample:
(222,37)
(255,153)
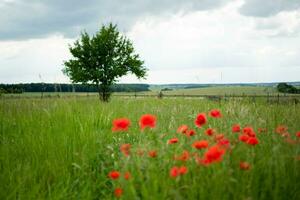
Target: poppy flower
(215,113)
(120,124)
(210,131)
(262,130)
(114,174)
(244,166)
(147,120)
(190,132)
(213,154)
(243,138)
(298,134)
(200,120)
(118,192)
(182,129)
(236,128)
(127,175)
(184,156)
(125,149)
(152,154)
(182,170)
(173,141)
(249,131)
(224,142)
(252,141)
(174,172)
(219,137)
(201,144)
(281,129)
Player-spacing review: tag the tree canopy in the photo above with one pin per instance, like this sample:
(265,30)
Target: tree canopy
(102,59)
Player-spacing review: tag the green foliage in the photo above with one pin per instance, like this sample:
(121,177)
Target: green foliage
(102,59)
(286,88)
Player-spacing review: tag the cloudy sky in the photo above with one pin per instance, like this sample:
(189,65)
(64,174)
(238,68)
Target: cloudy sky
(181,41)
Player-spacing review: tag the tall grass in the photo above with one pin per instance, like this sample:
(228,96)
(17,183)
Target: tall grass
(64,149)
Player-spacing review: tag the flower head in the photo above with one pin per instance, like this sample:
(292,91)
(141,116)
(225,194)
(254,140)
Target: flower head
(252,141)
(125,149)
(147,120)
(173,141)
(215,113)
(120,124)
(182,129)
(214,154)
(183,157)
(236,128)
(201,144)
(244,166)
(210,131)
(200,120)
(114,174)
(127,175)
(243,138)
(152,153)
(118,192)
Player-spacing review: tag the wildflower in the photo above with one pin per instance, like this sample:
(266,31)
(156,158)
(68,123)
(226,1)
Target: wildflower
(152,154)
(201,144)
(298,134)
(121,124)
(147,120)
(281,129)
(252,141)
(244,166)
(174,172)
(200,120)
(173,141)
(224,142)
(182,129)
(125,149)
(127,175)
(262,130)
(213,154)
(184,156)
(219,137)
(190,132)
(114,174)
(118,192)
(249,131)
(210,131)
(215,113)
(236,128)
(243,138)
(182,170)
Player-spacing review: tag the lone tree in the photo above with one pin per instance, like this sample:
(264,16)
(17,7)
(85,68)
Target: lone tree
(102,59)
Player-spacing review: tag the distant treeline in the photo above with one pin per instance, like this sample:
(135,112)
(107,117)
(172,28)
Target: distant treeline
(286,88)
(51,87)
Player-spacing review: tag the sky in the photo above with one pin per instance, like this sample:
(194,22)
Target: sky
(181,41)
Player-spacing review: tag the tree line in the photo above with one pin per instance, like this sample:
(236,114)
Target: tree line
(52,87)
(286,88)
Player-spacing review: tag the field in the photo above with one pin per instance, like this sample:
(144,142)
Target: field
(64,148)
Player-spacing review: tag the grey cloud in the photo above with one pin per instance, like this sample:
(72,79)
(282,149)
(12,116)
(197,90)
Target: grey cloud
(23,19)
(266,8)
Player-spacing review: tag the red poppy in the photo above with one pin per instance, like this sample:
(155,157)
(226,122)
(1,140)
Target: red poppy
(182,129)
(213,154)
(121,124)
(281,129)
(182,170)
(243,138)
(298,134)
(249,131)
(118,192)
(215,113)
(236,128)
(184,156)
(125,149)
(210,131)
(127,175)
(200,120)
(152,154)
(252,141)
(244,166)
(219,137)
(173,141)
(174,172)
(190,132)
(262,130)
(147,120)
(114,174)
(224,142)
(201,144)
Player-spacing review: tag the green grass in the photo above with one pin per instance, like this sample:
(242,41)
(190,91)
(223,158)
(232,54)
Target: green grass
(63,148)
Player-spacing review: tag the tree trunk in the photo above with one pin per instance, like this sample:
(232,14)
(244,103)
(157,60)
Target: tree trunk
(104,92)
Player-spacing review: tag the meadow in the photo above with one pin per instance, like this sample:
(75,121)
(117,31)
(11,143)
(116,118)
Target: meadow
(64,148)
